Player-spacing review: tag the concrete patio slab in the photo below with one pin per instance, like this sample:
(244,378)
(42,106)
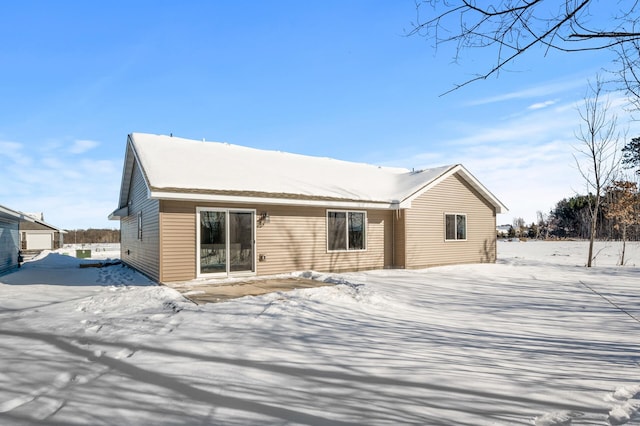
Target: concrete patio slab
(213,293)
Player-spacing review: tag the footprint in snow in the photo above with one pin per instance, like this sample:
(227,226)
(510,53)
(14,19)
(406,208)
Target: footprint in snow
(124,353)
(558,418)
(39,404)
(627,407)
(625,393)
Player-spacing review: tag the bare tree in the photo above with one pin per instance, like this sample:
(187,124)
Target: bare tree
(623,208)
(508,29)
(518,225)
(599,140)
(543,224)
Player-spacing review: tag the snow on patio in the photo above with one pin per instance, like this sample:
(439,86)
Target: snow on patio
(536,339)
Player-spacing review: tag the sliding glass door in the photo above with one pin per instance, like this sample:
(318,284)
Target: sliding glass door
(226,241)
(241,241)
(213,242)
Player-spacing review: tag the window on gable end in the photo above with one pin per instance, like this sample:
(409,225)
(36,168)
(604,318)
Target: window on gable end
(455,227)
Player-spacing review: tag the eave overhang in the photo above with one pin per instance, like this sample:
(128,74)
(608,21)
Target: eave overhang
(270,198)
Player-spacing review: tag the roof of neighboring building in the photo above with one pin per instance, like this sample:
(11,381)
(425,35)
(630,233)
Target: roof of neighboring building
(177,168)
(35,224)
(8,213)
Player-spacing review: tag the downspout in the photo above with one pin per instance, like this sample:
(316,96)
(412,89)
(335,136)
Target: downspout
(393,241)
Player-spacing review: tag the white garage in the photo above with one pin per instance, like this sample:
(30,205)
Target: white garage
(37,235)
(37,241)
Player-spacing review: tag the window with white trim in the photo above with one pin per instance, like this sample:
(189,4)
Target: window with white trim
(346,230)
(455,227)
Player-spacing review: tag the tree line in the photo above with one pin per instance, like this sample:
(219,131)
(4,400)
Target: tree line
(571,218)
(618,215)
(92,236)
(507,30)
(610,212)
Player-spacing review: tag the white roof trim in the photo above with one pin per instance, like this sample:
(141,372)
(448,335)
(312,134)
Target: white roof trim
(48,225)
(139,164)
(15,214)
(131,160)
(406,203)
(475,183)
(119,213)
(469,178)
(271,200)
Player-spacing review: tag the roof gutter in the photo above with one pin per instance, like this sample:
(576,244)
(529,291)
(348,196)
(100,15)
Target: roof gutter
(15,214)
(119,213)
(361,204)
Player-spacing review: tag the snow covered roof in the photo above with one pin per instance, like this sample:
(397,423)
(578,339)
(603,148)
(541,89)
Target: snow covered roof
(177,168)
(48,225)
(13,214)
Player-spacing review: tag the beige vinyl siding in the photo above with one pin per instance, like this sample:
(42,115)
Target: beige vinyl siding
(425,240)
(382,222)
(178,255)
(141,254)
(399,235)
(294,239)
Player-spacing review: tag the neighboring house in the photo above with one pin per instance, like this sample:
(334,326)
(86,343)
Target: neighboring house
(9,238)
(503,230)
(36,234)
(191,209)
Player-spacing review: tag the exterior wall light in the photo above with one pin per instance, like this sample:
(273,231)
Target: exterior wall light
(264,218)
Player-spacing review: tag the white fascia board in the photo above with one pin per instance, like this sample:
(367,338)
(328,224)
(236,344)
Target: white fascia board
(48,225)
(471,180)
(16,214)
(475,183)
(119,213)
(406,203)
(11,213)
(135,162)
(160,195)
(127,169)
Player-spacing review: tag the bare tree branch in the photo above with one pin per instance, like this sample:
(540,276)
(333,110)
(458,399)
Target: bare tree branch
(514,27)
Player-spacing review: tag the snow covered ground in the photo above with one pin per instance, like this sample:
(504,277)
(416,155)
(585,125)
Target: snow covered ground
(536,339)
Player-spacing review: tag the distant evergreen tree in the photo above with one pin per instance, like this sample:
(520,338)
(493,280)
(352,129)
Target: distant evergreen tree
(631,154)
(571,217)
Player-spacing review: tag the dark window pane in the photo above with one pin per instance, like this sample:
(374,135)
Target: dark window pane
(240,241)
(356,231)
(461,227)
(213,252)
(450,227)
(336,229)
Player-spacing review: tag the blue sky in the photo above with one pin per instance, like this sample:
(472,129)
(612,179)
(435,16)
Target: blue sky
(333,78)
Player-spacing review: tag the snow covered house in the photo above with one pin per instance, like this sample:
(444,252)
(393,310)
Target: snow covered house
(193,209)
(36,234)
(9,238)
